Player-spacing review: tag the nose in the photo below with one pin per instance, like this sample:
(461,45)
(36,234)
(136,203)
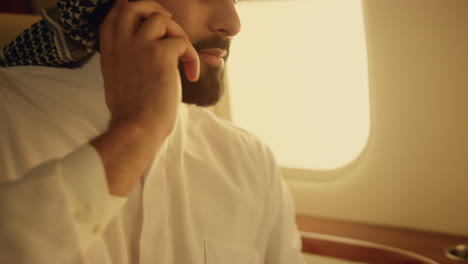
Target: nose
(224,19)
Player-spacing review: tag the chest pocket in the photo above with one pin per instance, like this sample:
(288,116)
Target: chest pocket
(224,253)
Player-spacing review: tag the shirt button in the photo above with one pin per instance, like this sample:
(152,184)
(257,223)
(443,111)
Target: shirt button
(98,229)
(81,216)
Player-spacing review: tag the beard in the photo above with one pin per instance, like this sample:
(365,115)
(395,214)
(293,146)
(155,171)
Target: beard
(210,86)
(207,90)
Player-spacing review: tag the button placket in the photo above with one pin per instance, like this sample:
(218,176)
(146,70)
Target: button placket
(154,222)
(81,215)
(84,217)
(98,229)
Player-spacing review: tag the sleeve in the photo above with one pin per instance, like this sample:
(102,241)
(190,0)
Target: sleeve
(56,210)
(284,241)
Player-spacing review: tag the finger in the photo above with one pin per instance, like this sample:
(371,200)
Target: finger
(107,28)
(192,70)
(132,14)
(158,26)
(187,54)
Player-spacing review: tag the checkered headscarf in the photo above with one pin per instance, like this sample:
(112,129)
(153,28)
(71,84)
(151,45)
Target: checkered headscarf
(66,35)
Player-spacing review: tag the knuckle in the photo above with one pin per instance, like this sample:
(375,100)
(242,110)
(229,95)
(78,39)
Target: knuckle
(147,6)
(156,6)
(156,18)
(158,50)
(162,47)
(180,41)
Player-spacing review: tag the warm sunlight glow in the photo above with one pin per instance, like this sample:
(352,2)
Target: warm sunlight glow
(298,80)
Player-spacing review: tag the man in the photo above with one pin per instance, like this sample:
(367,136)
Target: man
(102,163)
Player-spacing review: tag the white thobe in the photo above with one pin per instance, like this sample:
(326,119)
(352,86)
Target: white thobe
(213,193)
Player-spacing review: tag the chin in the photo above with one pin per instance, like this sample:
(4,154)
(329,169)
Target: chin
(205,92)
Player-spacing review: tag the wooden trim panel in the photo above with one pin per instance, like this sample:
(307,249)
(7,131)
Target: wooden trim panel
(428,245)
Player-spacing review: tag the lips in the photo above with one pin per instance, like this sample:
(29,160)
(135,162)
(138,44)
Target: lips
(214,52)
(214,57)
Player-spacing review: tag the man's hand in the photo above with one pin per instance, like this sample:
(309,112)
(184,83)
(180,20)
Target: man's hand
(141,47)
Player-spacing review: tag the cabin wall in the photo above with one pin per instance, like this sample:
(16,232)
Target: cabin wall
(414,170)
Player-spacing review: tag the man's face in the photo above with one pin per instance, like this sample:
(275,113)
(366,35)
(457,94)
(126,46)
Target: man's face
(210,26)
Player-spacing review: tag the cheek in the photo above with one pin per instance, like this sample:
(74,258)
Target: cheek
(192,26)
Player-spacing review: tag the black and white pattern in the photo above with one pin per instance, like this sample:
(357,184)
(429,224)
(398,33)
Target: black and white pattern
(65,36)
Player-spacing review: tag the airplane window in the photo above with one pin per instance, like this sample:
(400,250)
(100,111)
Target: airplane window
(297,77)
